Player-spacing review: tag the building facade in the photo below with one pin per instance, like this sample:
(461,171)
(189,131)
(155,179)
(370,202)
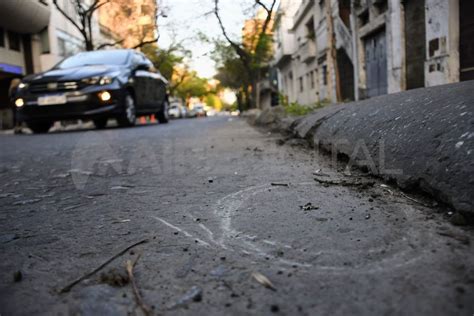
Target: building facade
(356,49)
(19,22)
(285,48)
(132,21)
(266,88)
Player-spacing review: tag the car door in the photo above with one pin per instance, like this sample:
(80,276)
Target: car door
(158,85)
(140,83)
(151,85)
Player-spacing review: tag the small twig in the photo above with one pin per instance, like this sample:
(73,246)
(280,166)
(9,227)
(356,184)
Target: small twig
(136,260)
(88,275)
(343,183)
(414,200)
(280,184)
(145,308)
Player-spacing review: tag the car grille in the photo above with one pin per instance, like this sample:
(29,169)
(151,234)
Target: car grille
(56,86)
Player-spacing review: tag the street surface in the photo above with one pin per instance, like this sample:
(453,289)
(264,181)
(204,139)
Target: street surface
(221,204)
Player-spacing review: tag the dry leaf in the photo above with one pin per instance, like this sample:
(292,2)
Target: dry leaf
(263,280)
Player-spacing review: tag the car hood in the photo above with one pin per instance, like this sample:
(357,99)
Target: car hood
(72,74)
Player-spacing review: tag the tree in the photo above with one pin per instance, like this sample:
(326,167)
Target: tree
(170,62)
(166,59)
(213,101)
(253,55)
(231,73)
(192,86)
(82,19)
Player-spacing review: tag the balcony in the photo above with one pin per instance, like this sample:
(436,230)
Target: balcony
(322,38)
(283,51)
(304,8)
(26,16)
(308,51)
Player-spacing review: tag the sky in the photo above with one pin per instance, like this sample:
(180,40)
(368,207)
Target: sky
(185,18)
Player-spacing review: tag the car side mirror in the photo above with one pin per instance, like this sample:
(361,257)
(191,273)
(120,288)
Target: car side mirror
(143,66)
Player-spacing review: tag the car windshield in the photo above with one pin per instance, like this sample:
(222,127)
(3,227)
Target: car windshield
(118,57)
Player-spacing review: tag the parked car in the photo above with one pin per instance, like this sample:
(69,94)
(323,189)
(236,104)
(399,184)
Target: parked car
(199,110)
(177,110)
(211,112)
(191,113)
(97,86)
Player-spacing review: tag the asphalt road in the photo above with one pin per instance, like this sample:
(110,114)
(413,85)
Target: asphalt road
(217,202)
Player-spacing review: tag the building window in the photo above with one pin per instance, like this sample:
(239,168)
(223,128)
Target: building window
(61,47)
(44,38)
(301,84)
(146,8)
(325,75)
(2,37)
(68,45)
(310,30)
(311,77)
(127,11)
(14,41)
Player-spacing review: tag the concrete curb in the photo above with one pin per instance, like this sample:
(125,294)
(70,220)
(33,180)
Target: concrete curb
(420,139)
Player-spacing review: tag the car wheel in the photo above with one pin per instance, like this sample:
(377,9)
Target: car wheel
(163,116)
(100,123)
(129,116)
(40,127)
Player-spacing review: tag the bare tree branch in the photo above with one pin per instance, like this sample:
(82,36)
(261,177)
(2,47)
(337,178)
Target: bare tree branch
(143,43)
(260,3)
(183,76)
(252,57)
(101,46)
(240,51)
(70,19)
(269,17)
(98,5)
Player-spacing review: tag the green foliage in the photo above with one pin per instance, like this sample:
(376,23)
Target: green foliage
(230,107)
(192,86)
(213,101)
(296,109)
(231,72)
(166,60)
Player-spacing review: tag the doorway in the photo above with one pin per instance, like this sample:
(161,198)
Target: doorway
(376,64)
(466,39)
(415,47)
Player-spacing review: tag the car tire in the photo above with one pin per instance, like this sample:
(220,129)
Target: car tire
(100,123)
(40,127)
(129,116)
(163,116)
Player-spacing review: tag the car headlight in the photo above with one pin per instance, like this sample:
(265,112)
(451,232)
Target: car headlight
(22,85)
(99,80)
(106,80)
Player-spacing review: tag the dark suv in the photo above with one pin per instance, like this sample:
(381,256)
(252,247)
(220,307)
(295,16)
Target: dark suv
(95,86)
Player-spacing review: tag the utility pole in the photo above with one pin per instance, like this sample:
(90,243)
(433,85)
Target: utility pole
(355,50)
(332,49)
